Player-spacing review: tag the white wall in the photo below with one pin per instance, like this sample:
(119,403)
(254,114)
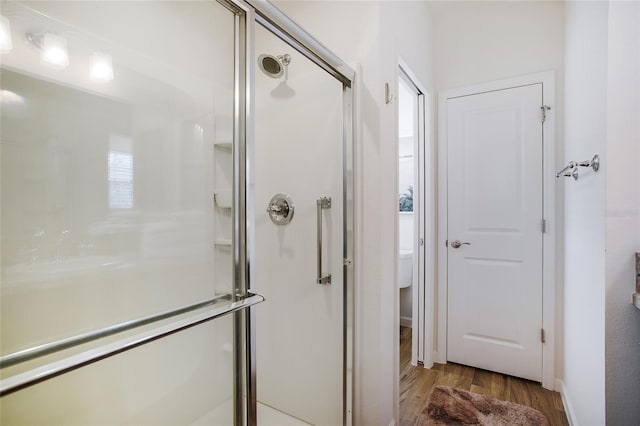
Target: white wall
(476,42)
(585,135)
(407,35)
(370,35)
(622,214)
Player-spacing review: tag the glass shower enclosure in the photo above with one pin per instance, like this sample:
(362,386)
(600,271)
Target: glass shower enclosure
(141,144)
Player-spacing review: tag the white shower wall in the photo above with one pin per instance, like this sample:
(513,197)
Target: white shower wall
(298,151)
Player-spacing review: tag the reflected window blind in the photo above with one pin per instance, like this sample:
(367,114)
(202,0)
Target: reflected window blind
(120,165)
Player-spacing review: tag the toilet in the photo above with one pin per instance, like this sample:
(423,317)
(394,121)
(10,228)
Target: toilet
(405,268)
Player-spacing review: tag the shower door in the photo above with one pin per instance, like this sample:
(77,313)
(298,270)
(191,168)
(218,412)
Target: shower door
(299,152)
(118,243)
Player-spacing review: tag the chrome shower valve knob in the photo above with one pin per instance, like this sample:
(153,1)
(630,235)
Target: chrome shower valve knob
(280,209)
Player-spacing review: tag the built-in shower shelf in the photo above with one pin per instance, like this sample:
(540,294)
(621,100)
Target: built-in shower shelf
(222,243)
(223,144)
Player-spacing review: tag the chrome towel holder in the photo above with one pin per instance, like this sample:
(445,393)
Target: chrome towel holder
(571,169)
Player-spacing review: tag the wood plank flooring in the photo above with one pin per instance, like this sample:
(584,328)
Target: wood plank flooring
(416,383)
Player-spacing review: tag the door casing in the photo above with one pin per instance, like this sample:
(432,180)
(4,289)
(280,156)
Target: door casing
(417,288)
(547,79)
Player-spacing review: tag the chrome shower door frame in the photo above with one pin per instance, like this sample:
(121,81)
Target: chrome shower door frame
(248,14)
(244,392)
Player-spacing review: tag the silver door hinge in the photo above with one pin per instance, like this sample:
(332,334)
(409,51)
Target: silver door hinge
(543,111)
(542,337)
(543,226)
(421,242)
(446,243)
(346,262)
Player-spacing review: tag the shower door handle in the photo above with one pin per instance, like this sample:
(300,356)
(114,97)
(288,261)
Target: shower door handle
(322,203)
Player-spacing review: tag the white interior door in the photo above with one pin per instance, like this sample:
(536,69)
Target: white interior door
(495,212)
(299,152)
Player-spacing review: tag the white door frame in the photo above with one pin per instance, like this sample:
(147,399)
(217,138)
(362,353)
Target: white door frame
(549,210)
(426,229)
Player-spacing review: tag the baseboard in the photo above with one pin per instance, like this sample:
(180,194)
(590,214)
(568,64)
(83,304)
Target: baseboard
(566,401)
(439,357)
(406,322)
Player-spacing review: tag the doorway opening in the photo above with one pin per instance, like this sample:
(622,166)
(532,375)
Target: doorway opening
(415,219)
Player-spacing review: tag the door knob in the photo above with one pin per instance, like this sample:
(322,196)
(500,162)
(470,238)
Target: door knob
(457,244)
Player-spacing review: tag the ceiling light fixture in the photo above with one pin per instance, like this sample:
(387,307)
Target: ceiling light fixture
(101,67)
(54,51)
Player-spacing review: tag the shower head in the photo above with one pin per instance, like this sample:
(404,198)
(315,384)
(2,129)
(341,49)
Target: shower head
(273,66)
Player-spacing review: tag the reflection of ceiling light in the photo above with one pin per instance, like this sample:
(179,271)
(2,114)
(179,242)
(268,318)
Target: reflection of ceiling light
(54,51)
(6,43)
(101,67)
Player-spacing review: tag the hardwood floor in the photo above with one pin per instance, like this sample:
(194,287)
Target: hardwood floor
(416,383)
